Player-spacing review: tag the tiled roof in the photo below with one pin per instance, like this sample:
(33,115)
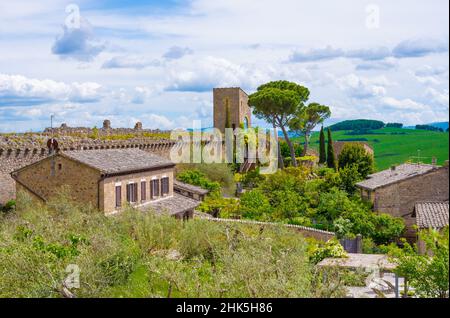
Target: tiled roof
(118,160)
(431,215)
(172,205)
(389,176)
(189,187)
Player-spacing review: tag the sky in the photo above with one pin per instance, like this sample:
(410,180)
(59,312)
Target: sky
(158,61)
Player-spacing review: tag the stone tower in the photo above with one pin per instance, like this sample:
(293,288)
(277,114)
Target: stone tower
(236,100)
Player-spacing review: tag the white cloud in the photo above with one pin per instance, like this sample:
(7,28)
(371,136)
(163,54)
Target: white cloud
(136,62)
(403,104)
(20,90)
(78,43)
(363,88)
(203,74)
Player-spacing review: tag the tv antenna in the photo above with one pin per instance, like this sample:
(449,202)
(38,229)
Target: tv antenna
(419,157)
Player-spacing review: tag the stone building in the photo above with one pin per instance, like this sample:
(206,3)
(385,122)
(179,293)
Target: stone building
(108,180)
(397,190)
(430,215)
(236,101)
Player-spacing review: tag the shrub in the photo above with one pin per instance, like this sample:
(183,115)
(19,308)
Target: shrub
(355,154)
(198,178)
(332,248)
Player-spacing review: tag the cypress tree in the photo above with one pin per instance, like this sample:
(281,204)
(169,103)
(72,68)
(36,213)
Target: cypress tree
(322,150)
(331,160)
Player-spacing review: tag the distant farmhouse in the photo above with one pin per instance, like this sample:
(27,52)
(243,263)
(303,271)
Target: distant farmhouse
(108,179)
(398,190)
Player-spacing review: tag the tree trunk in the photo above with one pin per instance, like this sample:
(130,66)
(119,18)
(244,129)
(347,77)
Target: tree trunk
(305,147)
(280,158)
(291,147)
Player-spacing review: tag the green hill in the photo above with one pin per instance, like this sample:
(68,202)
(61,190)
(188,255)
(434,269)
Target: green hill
(394,145)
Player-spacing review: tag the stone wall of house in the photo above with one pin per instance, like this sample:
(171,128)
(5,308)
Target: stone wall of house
(400,198)
(108,186)
(49,175)
(14,156)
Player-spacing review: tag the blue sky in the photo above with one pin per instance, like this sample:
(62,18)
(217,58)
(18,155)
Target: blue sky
(157,61)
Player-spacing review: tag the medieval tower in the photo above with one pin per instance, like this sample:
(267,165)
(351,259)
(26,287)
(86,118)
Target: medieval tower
(234,101)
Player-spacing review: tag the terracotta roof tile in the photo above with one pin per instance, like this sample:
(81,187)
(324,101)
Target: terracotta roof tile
(431,214)
(118,160)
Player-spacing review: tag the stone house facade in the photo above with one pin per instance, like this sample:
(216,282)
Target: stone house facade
(108,180)
(396,191)
(236,100)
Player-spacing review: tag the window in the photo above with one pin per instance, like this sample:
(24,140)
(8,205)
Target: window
(154,188)
(132,192)
(143,191)
(59,166)
(165,186)
(118,196)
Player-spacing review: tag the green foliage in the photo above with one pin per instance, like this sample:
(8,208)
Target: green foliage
(252,178)
(349,176)
(216,172)
(277,103)
(395,146)
(220,207)
(354,154)
(429,127)
(285,152)
(8,207)
(331,159)
(359,124)
(254,205)
(198,178)
(427,274)
(394,125)
(332,249)
(307,119)
(137,254)
(322,148)
(94,134)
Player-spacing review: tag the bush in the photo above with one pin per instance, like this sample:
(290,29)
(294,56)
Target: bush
(254,205)
(216,172)
(355,154)
(139,254)
(332,248)
(198,178)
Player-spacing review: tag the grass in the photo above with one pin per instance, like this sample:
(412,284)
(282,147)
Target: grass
(396,146)
(135,254)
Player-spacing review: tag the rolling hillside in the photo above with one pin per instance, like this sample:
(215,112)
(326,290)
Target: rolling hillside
(395,146)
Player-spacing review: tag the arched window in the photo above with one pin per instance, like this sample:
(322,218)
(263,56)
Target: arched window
(245,122)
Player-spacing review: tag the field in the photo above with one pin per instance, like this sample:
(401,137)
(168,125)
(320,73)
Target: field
(395,145)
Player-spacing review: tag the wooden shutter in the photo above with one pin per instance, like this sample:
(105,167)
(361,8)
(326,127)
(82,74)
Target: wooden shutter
(135,192)
(157,188)
(118,196)
(128,192)
(143,191)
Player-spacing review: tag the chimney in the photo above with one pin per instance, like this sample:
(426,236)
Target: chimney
(106,124)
